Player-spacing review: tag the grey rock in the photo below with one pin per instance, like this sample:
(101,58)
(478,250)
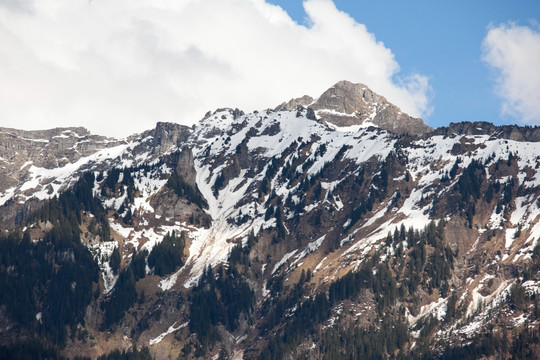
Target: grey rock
(347,104)
(510,132)
(56,148)
(293,104)
(186,167)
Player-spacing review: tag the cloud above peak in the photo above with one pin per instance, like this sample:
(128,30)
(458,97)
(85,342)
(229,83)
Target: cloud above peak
(513,51)
(119,67)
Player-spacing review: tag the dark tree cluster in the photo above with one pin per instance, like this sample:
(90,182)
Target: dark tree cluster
(124,294)
(417,268)
(275,164)
(53,277)
(371,343)
(239,254)
(317,309)
(115,185)
(378,189)
(469,187)
(30,349)
(386,280)
(381,282)
(190,192)
(219,301)
(167,256)
(133,354)
(122,298)
(115,260)
(66,209)
(113,176)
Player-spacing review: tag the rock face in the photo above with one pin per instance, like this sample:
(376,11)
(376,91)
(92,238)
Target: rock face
(26,155)
(167,135)
(49,148)
(511,132)
(292,104)
(22,152)
(348,104)
(186,167)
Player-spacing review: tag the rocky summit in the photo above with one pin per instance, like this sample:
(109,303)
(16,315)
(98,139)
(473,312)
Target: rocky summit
(348,104)
(328,228)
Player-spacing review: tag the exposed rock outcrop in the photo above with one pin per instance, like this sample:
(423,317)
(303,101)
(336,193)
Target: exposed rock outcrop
(510,132)
(347,104)
(294,103)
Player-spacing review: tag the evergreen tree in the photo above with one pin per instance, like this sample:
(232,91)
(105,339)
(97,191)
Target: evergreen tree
(167,256)
(190,192)
(114,261)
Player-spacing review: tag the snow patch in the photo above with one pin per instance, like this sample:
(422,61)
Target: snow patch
(169,331)
(283,260)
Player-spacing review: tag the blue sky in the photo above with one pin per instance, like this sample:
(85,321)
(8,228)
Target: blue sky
(118,67)
(442,40)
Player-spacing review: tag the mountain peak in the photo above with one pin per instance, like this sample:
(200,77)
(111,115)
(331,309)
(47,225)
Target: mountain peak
(347,98)
(348,104)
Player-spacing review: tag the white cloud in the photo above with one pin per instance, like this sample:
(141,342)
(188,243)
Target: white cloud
(117,67)
(514,51)
(17,5)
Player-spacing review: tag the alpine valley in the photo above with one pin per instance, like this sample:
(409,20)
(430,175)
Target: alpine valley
(329,228)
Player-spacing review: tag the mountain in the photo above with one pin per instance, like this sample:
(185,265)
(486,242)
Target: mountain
(323,229)
(347,104)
